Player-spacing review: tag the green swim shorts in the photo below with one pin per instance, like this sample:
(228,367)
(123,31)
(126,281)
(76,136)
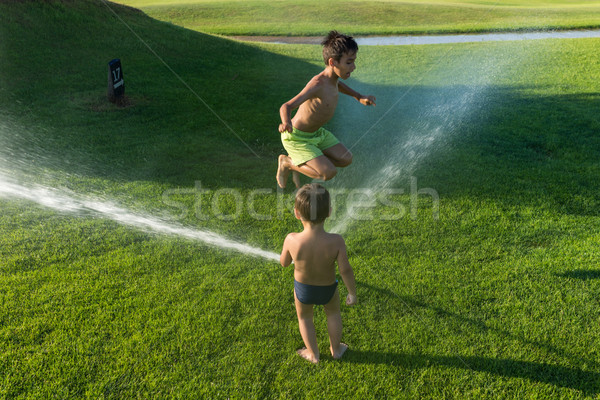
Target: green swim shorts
(304,146)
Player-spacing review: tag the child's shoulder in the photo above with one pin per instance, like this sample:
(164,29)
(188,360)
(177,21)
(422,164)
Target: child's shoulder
(336,239)
(292,235)
(318,80)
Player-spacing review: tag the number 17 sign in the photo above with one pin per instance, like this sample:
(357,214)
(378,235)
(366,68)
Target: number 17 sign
(116,85)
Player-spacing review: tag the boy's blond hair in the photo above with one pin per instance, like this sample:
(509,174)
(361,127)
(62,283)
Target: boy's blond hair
(313,203)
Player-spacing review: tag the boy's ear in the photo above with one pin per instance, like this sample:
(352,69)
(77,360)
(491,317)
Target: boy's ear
(296,213)
(331,62)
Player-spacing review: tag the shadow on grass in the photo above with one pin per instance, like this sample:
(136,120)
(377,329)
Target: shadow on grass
(584,381)
(583,274)
(491,142)
(460,321)
(217,123)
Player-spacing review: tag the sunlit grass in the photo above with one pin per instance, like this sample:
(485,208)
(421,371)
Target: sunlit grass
(311,17)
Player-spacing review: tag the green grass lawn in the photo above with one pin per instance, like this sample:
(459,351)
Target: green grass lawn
(359,17)
(495,298)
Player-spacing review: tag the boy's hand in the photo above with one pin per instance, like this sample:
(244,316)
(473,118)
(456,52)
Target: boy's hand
(351,300)
(286,128)
(367,100)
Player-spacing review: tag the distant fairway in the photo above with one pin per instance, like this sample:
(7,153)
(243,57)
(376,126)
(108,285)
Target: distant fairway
(359,17)
(493,295)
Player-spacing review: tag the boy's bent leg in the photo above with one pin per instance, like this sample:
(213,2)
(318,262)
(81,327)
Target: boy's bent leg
(307,330)
(339,155)
(296,179)
(317,168)
(283,170)
(334,326)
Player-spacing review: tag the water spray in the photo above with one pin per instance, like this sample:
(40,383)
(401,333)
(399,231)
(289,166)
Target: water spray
(72,203)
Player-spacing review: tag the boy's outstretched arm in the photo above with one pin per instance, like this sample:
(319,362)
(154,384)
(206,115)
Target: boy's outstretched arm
(347,273)
(286,257)
(365,100)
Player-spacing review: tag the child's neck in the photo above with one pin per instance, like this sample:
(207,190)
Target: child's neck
(330,74)
(313,228)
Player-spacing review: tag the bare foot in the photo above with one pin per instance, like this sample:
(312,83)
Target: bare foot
(307,355)
(283,170)
(296,178)
(342,349)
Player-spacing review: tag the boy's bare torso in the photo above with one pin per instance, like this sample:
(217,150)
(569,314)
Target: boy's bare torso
(318,110)
(314,255)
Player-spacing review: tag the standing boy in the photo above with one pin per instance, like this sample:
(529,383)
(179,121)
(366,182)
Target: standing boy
(314,253)
(313,150)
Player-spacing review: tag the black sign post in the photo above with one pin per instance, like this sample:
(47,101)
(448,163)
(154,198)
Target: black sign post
(116,85)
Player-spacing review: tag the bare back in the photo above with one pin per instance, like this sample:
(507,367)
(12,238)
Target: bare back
(317,110)
(314,256)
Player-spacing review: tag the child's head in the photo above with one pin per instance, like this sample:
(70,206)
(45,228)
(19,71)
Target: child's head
(312,203)
(336,44)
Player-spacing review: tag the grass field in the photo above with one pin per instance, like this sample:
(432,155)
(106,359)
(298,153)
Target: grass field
(359,17)
(497,297)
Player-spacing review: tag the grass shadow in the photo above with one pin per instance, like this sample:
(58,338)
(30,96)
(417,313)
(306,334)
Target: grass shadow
(482,142)
(583,274)
(587,382)
(490,143)
(194,113)
(227,134)
(507,367)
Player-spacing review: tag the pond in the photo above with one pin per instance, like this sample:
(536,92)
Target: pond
(433,39)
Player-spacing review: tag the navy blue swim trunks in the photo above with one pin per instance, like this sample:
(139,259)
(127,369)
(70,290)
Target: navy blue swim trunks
(311,294)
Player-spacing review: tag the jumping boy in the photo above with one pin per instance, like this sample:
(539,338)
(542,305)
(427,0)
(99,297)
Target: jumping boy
(314,253)
(313,150)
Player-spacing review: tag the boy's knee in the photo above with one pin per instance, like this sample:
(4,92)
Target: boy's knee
(346,160)
(329,173)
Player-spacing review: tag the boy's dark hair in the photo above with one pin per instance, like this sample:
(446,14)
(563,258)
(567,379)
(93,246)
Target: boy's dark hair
(313,203)
(336,44)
